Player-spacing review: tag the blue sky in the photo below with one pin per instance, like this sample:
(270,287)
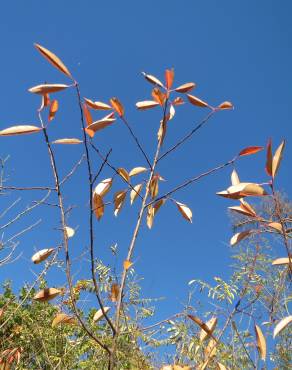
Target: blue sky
(237,51)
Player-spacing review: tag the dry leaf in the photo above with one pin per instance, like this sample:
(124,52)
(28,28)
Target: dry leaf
(269,158)
(158,96)
(211,349)
(250,150)
(154,186)
(119,199)
(63,318)
(150,216)
(234,178)
(238,237)
(53,110)
(185,87)
(282,325)
(124,174)
(166,367)
(103,187)
(152,79)
(146,104)
(244,209)
(100,124)
(162,131)
(115,290)
(196,101)
(98,206)
(178,101)
(171,112)
(276,225)
(277,158)
(211,324)
(261,342)
(281,261)
(221,366)
(46,294)
(67,141)
(20,130)
(47,88)
(42,255)
(157,205)
(169,77)
(45,102)
(118,107)
(185,211)
(69,231)
(99,314)
(135,192)
(137,170)
(241,190)
(97,105)
(53,59)
(127,264)
(225,105)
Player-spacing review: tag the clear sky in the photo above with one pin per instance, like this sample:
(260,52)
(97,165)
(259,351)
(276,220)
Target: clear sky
(234,50)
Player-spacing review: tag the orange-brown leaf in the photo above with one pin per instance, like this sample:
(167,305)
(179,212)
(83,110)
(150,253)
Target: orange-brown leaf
(117,106)
(250,150)
(103,187)
(53,59)
(20,130)
(98,206)
(178,101)
(97,105)
(124,174)
(277,158)
(115,290)
(53,110)
(196,101)
(261,342)
(146,104)
(63,318)
(135,192)
(186,87)
(119,199)
(225,105)
(47,88)
(158,96)
(269,158)
(46,294)
(127,264)
(100,124)
(152,79)
(238,237)
(41,255)
(185,211)
(169,77)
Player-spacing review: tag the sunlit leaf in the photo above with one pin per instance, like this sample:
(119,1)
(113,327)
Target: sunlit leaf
(234,178)
(276,225)
(135,192)
(211,324)
(42,255)
(46,294)
(147,104)
(124,174)
(99,314)
(185,211)
(282,325)
(97,105)
(63,318)
(162,131)
(20,130)
(103,187)
(153,187)
(269,160)
(196,101)
(225,105)
(281,261)
(47,88)
(277,158)
(127,264)
(178,101)
(101,124)
(169,77)
(117,106)
(241,190)
(186,87)
(250,150)
(119,199)
(115,290)
(150,216)
(67,141)
(211,349)
(53,110)
(45,101)
(171,112)
(137,170)
(157,205)
(221,366)
(158,96)
(238,237)
(53,59)
(98,206)
(244,208)
(69,231)
(261,342)
(152,79)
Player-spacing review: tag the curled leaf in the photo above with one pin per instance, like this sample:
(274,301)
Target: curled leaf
(185,211)
(63,318)
(238,237)
(158,96)
(53,59)
(196,101)
(103,187)
(97,105)
(276,226)
(98,206)
(41,255)
(244,208)
(277,158)
(53,110)
(282,325)
(178,101)
(135,192)
(119,199)
(69,141)
(147,104)
(101,124)
(261,342)
(281,261)
(152,79)
(185,87)
(47,88)
(137,170)
(225,105)
(46,294)
(124,174)
(99,314)
(250,150)
(117,106)
(241,190)
(20,130)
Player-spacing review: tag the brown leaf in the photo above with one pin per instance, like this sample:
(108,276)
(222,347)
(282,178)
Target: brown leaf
(137,170)
(47,88)
(196,101)
(46,294)
(127,264)
(162,131)
(135,192)
(158,96)
(150,216)
(211,324)
(225,105)
(261,342)
(41,255)
(98,206)
(238,237)
(99,314)
(103,187)
(147,104)
(63,318)
(269,158)
(276,225)
(241,190)
(250,150)
(185,211)
(67,141)
(169,77)
(211,349)
(53,59)
(157,205)
(117,106)
(154,186)
(100,124)
(185,87)
(282,325)
(45,102)
(119,199)
(244,209)
(124,174)
(115,290)
(97,105)
(281,261)
(152,79)
(277,158)
(178,101)
(87,114)
(53,110)
(20,130)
